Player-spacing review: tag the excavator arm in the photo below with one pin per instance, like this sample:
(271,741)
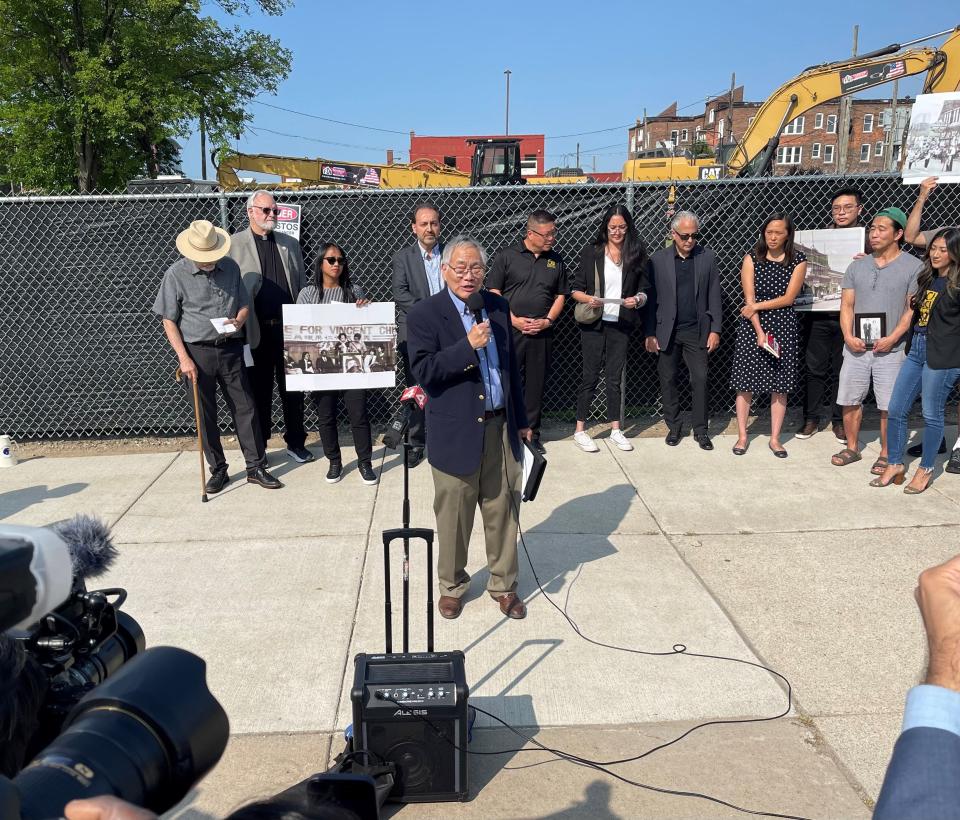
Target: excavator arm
(818,84)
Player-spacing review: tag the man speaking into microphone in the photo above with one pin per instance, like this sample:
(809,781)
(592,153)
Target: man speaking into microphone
(461,353)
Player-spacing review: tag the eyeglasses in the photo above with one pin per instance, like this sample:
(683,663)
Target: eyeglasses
(616,228)
(686,237)
(842,209)
(549,235)
(334,260)
(266,211)
(462,270)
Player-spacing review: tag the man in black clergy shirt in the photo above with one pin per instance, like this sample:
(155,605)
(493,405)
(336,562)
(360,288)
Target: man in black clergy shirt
(533,279)
(272,268)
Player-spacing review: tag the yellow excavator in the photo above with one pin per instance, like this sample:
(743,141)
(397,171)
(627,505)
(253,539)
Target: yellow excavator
(494,162)
(754,153)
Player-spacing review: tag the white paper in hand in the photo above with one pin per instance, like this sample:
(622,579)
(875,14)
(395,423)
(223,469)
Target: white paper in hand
(223,325)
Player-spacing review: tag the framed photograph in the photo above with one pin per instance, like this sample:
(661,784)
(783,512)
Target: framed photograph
(339,346)
(829,252)
(933,144)
(871,327)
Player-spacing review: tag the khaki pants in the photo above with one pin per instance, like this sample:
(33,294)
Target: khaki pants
(455,502)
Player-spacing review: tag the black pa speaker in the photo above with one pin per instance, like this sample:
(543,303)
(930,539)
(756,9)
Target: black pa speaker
(411,709)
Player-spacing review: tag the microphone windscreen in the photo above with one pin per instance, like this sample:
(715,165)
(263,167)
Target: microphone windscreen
(90,545)
(475,301)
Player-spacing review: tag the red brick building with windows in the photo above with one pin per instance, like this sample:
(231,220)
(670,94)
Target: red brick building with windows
(808,143)
(458,153)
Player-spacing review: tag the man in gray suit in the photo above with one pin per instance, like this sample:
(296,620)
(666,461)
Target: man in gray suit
(683,319)
(416,275)
(272,269)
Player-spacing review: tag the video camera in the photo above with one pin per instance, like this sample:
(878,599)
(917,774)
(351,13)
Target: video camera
(91,711)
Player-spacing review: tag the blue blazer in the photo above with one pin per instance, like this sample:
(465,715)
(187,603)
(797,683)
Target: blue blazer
(448,369)
(923,778)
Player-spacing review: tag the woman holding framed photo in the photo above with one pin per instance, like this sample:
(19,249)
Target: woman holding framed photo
(332,283)
(932,364)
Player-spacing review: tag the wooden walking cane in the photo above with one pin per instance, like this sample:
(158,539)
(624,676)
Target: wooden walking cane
(178,375)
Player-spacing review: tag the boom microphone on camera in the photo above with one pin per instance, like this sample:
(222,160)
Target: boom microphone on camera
(88,540)
(393,437)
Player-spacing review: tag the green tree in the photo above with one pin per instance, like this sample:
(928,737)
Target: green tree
(94,92)
(701,149)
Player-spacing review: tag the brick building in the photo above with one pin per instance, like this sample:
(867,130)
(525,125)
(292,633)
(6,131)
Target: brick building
(457,153)
(808,143)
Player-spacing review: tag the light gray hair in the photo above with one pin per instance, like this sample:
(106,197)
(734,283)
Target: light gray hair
(252,198)
(684,216)
(459,241)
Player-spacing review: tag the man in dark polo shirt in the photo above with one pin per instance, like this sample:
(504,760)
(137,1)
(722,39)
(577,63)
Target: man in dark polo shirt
(533,279)
(205,285)
(272,268)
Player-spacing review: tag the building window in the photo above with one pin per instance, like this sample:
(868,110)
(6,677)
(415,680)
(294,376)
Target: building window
(827,154)
(710,116)
(685,135)
(897,152)
(818,121)
(528,165)
(674,137)
(878,150)
(815,151)
(832,124)
(633,143)
(795,126)
(789,155)
(867,123)
(865,152)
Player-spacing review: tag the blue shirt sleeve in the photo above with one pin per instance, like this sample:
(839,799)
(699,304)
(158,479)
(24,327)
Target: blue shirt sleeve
(934,707)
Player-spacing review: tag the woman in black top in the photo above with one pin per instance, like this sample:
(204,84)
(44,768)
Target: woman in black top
(612,269)
(332,283)
(932,364)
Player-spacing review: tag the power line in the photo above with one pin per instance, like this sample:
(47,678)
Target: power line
(328,119)
(323,142)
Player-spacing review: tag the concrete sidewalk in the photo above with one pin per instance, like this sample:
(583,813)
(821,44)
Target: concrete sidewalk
(794,564)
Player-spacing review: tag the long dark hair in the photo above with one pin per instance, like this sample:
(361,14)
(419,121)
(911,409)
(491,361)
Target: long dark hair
(761,250)
(927,274)
(634,251)
(344,269)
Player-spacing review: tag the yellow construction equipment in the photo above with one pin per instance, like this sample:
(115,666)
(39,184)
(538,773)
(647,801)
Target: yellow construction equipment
(754,153)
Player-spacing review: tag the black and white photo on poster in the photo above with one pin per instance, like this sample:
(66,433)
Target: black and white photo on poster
(829,252)
(933,145)
(339,346)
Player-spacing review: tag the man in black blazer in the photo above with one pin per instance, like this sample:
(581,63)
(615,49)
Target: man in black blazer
(923,779)
(476,419)
(683,319)
(416,275)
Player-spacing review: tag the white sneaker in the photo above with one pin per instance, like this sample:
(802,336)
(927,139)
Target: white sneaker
(618,438)
(585,443)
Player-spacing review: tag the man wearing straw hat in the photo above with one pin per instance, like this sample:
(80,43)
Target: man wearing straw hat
(205,285)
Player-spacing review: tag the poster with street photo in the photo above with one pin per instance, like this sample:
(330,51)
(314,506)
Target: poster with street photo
(829,252)
(339,346)
(933,145)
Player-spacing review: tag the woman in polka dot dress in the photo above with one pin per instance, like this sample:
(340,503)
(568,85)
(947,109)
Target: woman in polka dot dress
(772,276)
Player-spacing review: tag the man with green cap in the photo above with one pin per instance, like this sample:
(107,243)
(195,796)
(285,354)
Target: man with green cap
(880,283)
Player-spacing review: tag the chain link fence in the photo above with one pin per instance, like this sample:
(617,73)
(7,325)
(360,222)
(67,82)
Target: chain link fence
(83,355)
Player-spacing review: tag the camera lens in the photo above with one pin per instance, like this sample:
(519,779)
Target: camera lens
(146,735)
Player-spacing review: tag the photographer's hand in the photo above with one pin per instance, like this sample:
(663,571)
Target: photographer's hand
(938,596)
(105,807)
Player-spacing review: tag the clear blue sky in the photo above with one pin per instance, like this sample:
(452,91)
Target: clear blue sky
(437,68)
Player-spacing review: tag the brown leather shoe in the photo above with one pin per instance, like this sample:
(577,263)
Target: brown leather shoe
(512,606)
(449,607)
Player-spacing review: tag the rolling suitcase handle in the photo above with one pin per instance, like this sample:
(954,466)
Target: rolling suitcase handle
(406,533)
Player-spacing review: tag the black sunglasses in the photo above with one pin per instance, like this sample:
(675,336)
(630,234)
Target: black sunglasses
(266,211)
(334,260)
(687,236)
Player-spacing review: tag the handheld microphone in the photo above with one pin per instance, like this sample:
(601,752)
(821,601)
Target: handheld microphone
(393,437)
(475,303)
(38,566)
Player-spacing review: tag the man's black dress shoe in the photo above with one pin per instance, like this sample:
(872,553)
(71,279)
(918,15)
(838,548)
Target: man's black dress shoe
(263,478)
(917,450)
(217,481)
(703,440)
(673,438)
(414,457)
